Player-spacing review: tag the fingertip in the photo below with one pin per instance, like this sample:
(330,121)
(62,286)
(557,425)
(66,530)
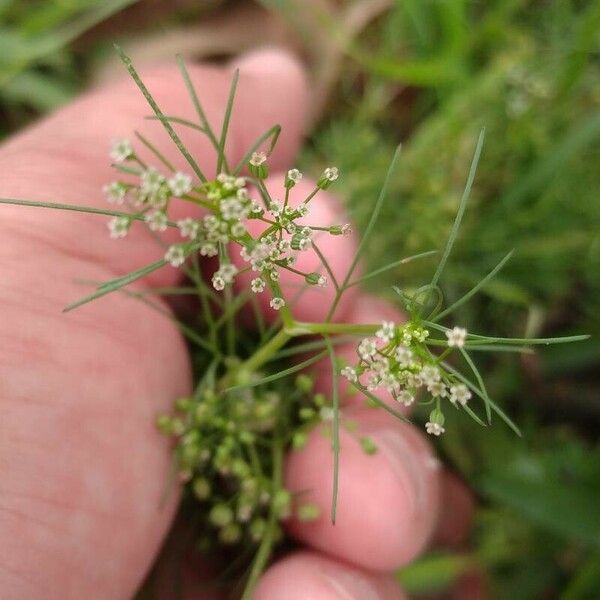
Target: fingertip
(387,502)
(309,576)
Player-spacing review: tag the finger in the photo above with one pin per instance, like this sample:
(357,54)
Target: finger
(310,576)
(64,158)
(83,514)
(456,512)
(387,502)
(366,308)
(311,303)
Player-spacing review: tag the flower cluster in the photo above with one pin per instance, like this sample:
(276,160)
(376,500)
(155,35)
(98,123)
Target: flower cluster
(397,360)
(223,452)
(228,208)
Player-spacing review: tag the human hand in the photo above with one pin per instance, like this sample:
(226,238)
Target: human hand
(83,466)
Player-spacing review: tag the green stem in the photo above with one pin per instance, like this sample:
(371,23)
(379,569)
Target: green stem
(262,355)
(266,545)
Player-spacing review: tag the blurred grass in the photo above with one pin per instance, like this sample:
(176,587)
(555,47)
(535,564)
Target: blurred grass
(431,73)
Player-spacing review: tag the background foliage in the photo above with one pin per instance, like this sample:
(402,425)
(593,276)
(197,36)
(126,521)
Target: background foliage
(431,73)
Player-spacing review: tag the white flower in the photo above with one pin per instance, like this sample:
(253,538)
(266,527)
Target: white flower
(188,228)
(350,374)
(367,349)
(180,184)
(121,150)
(175,255)
(115,192)
(275,208)
(258,285)
(277,303)
(404,355)
(152,181)
(232,209)
(326,413)
(238,230)
(331,173)
(459,393)
(242,194)
(434,428)
(294,175)
(227,271)
(430,374)
(218,282)
(208,249)
(437,389)
(118,227)
(456,337)
(405,397)
(258,158)
(302,209)
(387,331)
(157,220)
(256,209)
(322,281)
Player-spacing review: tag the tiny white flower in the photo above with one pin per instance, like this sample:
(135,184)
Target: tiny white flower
(437,389)
(326,413)
(258,158)
(228,271)
(115,192)
(175,255)
(258,285)
(434,428)
(350,374)
(275,208)
(151,180)
(157,220)
(277,303)
(208,249)
(387,331)
(256,209)
(367,349)
(239,182)
(331,173)
(322,281)
(459,393)
(121,150)
(180,184)
(237,230)
(242,194)
(188,228)
(404,355)
(456,337)
(405,397)
(118,227)
(294,175)
(430,374)
(274,275)
(218,282)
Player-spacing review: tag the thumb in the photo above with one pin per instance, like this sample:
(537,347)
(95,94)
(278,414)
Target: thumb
(64,157)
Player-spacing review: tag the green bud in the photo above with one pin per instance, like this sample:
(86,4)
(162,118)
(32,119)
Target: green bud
(163,423)
(183,404)
(319,399)
(247,437)
(304,383)
(306,413)
(257,529)
(368,445)
(282,501)
(299,440)
(314,279)
(308,512)
(259,171)
(220,515)
(297,241)
(201,488)
(177,427)
(230,534)
(240,468)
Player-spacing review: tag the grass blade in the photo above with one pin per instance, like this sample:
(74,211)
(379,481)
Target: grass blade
(222,161)
(206,128)
(461,210)
(115,284)
(390,266)
(281,374)
(475,288)
(272,133)
(159,114)
(335,399)
(486,398)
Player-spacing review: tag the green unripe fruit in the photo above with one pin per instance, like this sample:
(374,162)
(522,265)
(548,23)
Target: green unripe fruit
(230,534)
(201,488)
(220,515)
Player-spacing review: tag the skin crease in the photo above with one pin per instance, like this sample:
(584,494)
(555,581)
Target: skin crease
(83,469)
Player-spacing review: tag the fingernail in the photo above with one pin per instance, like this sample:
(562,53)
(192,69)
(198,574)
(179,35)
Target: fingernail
(349,585)
(268,61)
